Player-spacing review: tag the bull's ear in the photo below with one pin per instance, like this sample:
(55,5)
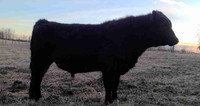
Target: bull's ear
(153,16)
(154,12)
(157,15)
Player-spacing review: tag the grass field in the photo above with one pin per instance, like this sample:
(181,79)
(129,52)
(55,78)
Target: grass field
(160,78)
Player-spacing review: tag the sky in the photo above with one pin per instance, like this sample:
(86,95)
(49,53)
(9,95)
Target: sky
(21,15)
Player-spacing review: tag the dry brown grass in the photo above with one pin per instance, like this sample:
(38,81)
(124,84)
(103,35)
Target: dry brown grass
(159,79)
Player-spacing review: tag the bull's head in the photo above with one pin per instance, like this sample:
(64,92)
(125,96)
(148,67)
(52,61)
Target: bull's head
(161,31)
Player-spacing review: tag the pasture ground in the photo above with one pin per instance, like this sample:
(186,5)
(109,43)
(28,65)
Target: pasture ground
(160,78)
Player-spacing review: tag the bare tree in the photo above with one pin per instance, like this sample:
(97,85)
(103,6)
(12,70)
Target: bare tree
(173,49)
(7,34)
(198,35)
(4,35)
(12,35)
(29,38)
(1,36)
(199,42)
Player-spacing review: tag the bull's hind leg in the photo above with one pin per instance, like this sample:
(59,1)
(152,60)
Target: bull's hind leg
(38,69)
(108,84)
(114,90)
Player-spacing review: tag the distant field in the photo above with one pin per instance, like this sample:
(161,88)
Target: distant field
(187,48)
(160,78)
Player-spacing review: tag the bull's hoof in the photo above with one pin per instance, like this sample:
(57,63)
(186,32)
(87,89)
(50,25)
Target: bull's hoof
(115,97)
(34,97)
(107,102)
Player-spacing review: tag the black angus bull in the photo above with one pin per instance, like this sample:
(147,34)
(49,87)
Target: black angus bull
(112,47)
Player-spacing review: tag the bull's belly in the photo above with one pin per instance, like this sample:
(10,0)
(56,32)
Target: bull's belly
(78,64)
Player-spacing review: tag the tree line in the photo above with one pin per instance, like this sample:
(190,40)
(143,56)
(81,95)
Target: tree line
(7,34)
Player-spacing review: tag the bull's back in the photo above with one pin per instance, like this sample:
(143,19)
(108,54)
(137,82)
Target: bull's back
(76,38)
